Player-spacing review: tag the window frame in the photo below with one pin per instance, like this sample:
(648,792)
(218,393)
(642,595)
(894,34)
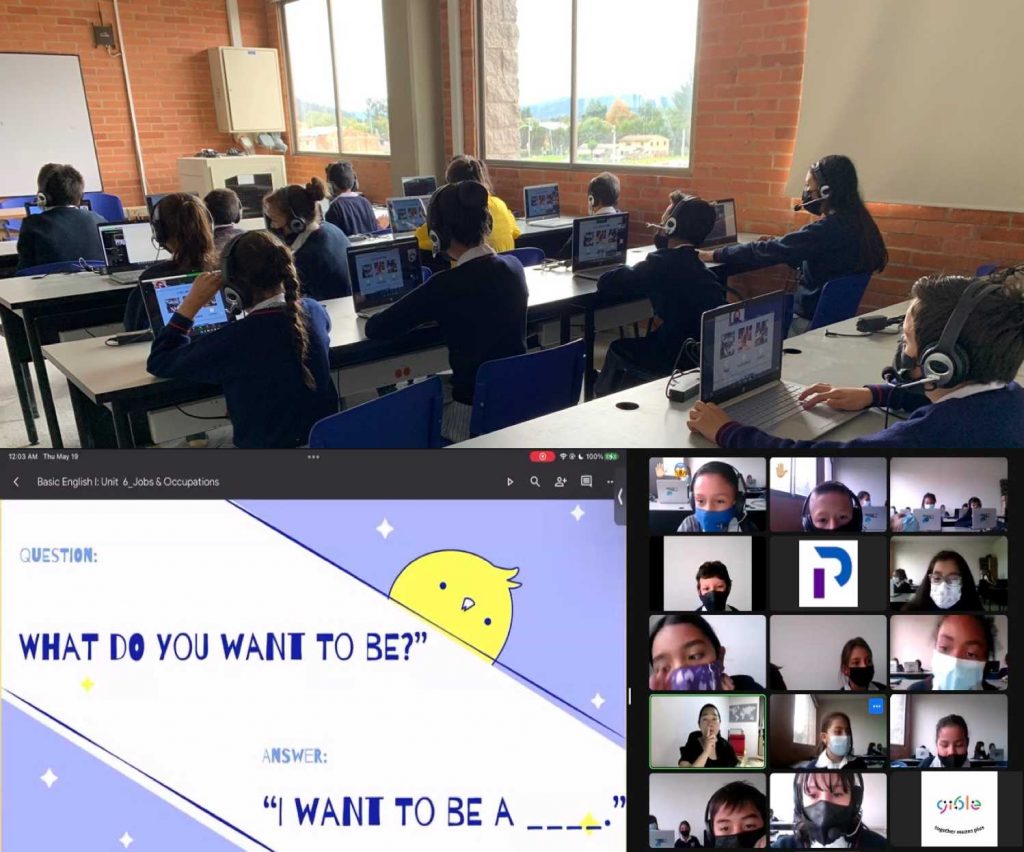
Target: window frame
(571,165)
(292,112)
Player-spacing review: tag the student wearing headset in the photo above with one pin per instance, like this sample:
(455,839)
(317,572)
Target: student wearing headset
(680,289)
(602,198)
(479,303)
(349,209)
(831,507)
(736,817)
(182,226)
(62,231)
(504,230)
(718,498)
(226,210)
(273,362)
(963,342)
(842,240)
(827,812)
(319,248)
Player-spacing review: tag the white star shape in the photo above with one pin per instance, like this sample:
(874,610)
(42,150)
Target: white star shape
(385,529)
(577,513)
(126,840)
(48,778)
(597,701)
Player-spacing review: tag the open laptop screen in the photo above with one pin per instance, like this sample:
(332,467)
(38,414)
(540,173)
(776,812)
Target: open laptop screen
(163,296)
(419,185)
(724,231)
(599,240)
(127,245)
(741,346)
(406,214)
(541,201)
(383,272)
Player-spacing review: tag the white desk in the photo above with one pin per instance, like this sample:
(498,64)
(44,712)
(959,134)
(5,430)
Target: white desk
(8,247)
(644,417)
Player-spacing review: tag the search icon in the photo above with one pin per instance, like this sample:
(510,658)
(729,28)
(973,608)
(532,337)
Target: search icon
(535,481)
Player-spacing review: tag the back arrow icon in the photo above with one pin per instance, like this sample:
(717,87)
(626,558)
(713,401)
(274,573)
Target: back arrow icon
(16,482)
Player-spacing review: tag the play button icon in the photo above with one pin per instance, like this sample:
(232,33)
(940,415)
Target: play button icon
(509,481)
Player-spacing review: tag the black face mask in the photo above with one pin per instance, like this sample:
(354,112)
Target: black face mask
(861,675)
(952,761)
(714,601)
(811,203)
(827,822)
(660,241)
(743,840)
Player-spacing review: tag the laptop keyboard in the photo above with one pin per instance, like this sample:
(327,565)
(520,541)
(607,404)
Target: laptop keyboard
(769,407)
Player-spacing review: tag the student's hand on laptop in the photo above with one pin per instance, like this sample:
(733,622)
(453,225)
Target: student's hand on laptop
(706,256)
(706,418)
(841,399)
(203,289)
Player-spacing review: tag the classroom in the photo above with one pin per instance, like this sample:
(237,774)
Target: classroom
(430,223)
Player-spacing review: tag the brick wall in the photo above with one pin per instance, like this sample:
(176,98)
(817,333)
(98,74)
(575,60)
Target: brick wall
(748,84)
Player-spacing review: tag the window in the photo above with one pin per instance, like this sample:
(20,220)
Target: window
(338,81)
(628,100)
(804,718)
(897,719)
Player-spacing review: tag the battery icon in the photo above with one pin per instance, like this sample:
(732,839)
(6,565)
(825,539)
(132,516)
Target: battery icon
(611,456)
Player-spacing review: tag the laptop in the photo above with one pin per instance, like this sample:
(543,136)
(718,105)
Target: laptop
(421,185)
(163,296)
(724,232)
(406,214)
(928,520)
(983,519)
(874,518)
(741,370)
(32,209)
(128,248)
(381,273)
(672,491)
(997,754)
(599,244)
(542,208)
(662,839)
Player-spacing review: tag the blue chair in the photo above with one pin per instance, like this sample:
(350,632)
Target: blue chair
(426,272)
(107,205)
(16,203)
(985,269)
(511,390)
(406,418)
(839,299)
(528,255)
(60,266)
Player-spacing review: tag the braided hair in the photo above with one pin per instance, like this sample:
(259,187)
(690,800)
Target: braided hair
(261,265)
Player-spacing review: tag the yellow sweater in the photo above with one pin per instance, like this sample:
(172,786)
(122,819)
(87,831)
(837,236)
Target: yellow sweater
(503,233)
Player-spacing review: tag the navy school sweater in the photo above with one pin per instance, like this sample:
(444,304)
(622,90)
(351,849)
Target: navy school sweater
(480,307)
(680,288)
(60,233)
(991,419)
(824,249)
(254,360)
(353,214)
(322,264)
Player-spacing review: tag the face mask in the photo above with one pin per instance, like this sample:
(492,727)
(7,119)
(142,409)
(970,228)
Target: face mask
(951,673)
(861,675)
(952,761)
(944,595)
(705,677)
(839,746)
(929,505)
(660,241)
(829,822)
(811,203)
(841,843)
(684,834)
(715,521)
(743,840)
(714,601)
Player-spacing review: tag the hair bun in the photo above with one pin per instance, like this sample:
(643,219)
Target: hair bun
(472,193)
(316,189)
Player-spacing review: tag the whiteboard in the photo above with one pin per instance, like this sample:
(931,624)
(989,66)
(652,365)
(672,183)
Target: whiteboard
(44,118)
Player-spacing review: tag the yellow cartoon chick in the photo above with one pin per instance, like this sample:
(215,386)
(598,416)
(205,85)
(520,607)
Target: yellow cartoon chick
(463,594)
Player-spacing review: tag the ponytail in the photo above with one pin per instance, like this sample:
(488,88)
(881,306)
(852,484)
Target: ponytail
(295,313)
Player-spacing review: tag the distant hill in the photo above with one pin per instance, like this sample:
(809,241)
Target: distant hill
(548,110)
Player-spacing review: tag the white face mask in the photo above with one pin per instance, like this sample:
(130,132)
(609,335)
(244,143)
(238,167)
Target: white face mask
(944,595)
(841,843)
(839,745)
(951,673)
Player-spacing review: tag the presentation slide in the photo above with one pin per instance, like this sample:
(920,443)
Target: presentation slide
(172,291)
(313,674)
(601,239)
(380,272)
(744,347)
(542,201)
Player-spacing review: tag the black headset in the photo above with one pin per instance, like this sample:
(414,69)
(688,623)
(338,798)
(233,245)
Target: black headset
(856,792)
(709,833)
(232,298)
(158,226)
(296,223)
(672,222)
(824,190)
(946,363)
(805,513)
(449,203)
(730,473)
